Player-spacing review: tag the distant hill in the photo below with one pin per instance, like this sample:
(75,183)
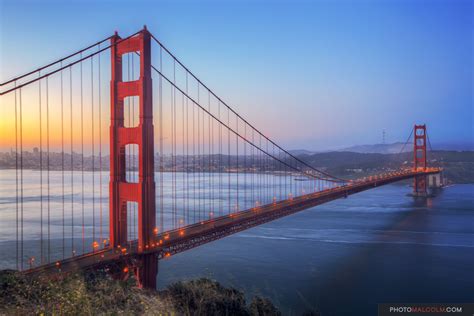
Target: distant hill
(458,165)
(394,148)
(298,152)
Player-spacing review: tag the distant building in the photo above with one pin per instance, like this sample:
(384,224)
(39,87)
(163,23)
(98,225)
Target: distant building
(35,150)
(358,170)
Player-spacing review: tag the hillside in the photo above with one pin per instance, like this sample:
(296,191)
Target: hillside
(458,165)
(377,148)
(95,293)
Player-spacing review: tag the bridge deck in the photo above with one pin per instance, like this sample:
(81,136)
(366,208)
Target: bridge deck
(187,237)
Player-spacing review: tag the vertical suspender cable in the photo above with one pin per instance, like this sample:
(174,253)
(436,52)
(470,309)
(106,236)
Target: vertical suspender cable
(209,174)
(41,172)
(245,165)
(280,171)
(16,182)
(203,164)
(187,153)
(21,180)
(194,166)
(183,159)
(199,156)
(253,168)
(237,162)
(210,193)
(62,163)
(93,153)
(73,251)
(160,83)
(228,161)
(220,158)
(173,135)
(82,160)
(47,170)
(100,152)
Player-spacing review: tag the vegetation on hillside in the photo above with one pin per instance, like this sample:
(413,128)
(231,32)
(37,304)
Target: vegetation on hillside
(95,293)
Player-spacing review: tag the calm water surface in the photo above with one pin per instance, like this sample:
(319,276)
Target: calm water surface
(346,256)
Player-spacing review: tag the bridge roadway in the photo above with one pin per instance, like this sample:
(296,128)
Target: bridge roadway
(178,240)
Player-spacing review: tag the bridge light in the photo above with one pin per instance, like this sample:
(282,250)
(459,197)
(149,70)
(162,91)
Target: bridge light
(167,237)
(181,233)
(161,241)
(125,270)
(155,230)
(58,263)
(167,255)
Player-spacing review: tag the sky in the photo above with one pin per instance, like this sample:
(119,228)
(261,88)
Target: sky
(313,75)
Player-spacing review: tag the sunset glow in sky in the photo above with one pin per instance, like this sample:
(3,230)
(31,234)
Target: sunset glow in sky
(310,74)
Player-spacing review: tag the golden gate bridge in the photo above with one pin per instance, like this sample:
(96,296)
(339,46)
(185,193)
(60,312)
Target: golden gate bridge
(182,167)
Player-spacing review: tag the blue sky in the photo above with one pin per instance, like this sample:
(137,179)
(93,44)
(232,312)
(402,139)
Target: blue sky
(310,74)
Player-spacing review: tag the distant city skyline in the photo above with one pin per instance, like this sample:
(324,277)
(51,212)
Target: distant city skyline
(311,75)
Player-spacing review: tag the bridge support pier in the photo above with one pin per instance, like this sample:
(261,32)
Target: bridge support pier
(147,271)
(420,187)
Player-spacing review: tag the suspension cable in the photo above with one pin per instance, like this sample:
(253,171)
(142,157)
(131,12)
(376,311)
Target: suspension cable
(240,136)
(55,62)
(225,104)
(408,139)
(68,65)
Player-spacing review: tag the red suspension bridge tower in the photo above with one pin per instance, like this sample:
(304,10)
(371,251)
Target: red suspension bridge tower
(419,160)
(143,191)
